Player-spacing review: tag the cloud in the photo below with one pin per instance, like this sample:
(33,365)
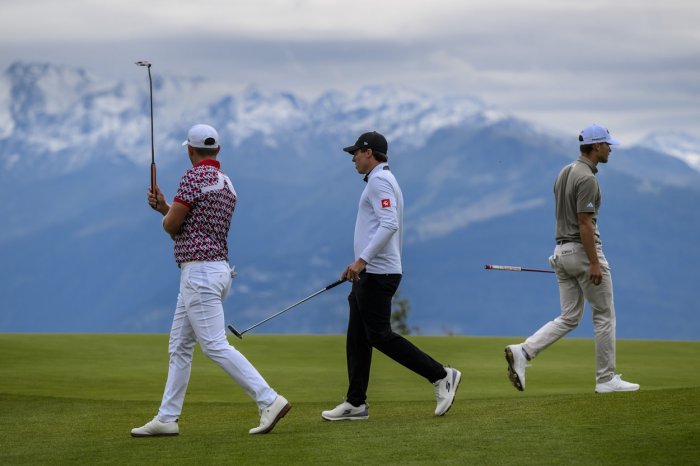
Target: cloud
(634,65)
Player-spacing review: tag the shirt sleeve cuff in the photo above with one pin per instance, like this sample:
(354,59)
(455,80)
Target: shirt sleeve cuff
(183,202)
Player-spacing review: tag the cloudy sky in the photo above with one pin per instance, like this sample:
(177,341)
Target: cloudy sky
(633,65)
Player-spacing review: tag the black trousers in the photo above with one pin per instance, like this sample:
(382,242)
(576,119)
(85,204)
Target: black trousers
(369,326)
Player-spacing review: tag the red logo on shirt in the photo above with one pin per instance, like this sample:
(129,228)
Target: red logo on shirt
(386,203)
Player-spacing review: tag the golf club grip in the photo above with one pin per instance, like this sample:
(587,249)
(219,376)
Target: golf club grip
(153,182)
(334,284)
(153,178)
(509,268)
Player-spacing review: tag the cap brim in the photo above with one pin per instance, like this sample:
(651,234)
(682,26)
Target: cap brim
(184,143)
(613,141)
(350,149)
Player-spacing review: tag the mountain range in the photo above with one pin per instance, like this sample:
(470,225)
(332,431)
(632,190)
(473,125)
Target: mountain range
(83,252)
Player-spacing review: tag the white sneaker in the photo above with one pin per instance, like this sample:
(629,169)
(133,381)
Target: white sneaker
(346,412)
(517,362)
(270,415)
(445,390)
(616,384)
(155,428)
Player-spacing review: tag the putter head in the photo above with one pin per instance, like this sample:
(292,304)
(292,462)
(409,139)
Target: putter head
(235,332)
(143,63)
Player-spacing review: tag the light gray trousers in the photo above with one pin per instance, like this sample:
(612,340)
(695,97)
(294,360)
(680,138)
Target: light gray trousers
(571,265)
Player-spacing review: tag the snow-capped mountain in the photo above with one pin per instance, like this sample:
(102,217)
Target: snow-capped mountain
(83,252)
(57,109)
(677,144)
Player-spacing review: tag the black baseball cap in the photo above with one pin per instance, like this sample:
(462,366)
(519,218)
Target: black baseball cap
(372,140)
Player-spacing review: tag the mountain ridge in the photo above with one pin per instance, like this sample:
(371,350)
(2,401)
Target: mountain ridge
(81,242)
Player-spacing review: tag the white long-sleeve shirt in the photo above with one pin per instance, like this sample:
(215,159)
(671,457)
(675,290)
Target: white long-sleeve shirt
(379,224)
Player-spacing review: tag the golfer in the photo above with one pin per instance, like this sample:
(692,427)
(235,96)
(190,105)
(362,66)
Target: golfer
(582,271)
(375,275)
(198,221)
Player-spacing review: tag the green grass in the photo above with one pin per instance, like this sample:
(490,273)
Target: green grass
(72,399)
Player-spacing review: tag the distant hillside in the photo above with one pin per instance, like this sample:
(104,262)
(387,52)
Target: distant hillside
(83,252)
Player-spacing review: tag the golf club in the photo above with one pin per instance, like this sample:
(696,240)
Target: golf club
(153,151)
(511,268)
(240,334)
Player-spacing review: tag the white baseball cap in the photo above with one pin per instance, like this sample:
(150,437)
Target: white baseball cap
(202,137)
(594,133)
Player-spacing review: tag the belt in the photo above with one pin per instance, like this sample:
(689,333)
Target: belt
(563,241)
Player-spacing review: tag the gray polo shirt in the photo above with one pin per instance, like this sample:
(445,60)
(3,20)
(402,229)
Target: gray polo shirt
(576,190)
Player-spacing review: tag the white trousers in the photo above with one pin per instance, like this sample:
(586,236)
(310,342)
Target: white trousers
(199,317)
(572,267)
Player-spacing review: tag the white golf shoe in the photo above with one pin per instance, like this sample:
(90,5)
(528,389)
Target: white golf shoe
(270,415)
(616,384)
(446,389)
(155,428)
(517,362)
(346,412)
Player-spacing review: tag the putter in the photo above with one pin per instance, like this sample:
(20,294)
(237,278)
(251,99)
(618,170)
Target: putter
(511,268)
(240,334)
(153,151)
